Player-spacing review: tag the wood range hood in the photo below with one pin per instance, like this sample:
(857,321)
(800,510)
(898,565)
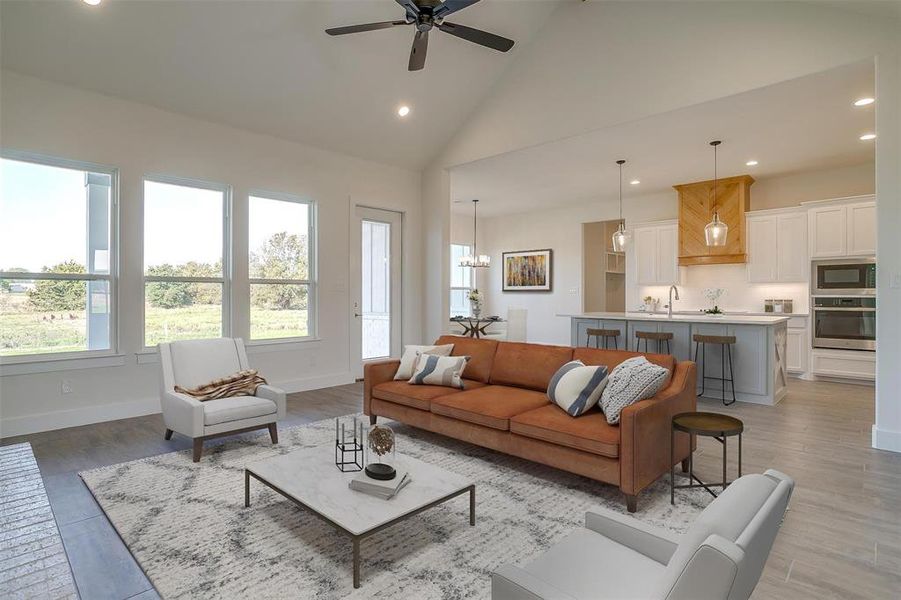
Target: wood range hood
(733,199)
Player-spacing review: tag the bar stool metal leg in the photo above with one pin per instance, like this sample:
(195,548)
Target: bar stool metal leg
(731,377)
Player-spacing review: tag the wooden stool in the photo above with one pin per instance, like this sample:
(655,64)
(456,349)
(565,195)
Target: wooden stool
(725,342)
(714,425)
(603,333)
(653,335)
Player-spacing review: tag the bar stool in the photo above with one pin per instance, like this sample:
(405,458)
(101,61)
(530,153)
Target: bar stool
(725,342)
(603,333)
(657,336)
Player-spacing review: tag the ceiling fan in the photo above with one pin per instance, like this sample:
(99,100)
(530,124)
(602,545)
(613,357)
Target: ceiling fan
(426,14)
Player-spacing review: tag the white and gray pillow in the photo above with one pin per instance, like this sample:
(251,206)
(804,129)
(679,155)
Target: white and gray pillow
(439,370)
(411,355)
(630,381)
(576,388)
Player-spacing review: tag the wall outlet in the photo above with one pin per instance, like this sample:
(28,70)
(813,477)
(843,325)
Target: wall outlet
(65,386)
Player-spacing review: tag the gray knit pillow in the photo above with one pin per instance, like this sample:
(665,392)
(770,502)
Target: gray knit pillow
(632,380)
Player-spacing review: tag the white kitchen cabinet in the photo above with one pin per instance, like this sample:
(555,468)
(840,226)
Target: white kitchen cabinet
(797,350)
(837,229)
(861,229)
(657,254)
(777,247)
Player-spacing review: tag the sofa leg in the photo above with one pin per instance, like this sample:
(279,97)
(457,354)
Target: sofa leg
(273,432)
(198,449)
(168,434)
(631,503)
(685,466)
(372,419)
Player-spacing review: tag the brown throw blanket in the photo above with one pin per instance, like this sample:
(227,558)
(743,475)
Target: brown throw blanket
(242,383)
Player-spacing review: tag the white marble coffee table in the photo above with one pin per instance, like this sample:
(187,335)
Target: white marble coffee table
(310,479)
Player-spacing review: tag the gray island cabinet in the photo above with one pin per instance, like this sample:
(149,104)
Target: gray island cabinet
(758,355)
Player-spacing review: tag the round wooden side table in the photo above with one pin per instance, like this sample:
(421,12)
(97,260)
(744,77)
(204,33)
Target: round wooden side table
(706,424)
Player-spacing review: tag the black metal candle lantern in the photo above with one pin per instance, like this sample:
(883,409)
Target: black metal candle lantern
(349,452)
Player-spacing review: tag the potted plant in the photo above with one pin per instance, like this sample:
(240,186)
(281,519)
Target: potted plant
(475,303)
(713,294)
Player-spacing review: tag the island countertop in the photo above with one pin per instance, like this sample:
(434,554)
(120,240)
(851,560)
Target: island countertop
(726,319)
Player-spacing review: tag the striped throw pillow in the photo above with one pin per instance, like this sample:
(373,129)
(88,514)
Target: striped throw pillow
(576,388)
(439,370)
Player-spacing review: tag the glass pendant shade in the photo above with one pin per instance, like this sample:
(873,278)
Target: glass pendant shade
(716,231)
(620,238)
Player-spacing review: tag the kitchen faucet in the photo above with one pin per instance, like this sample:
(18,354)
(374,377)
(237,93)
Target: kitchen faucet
(669,306)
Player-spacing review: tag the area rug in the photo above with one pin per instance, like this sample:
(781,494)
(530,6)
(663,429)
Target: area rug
(186,524)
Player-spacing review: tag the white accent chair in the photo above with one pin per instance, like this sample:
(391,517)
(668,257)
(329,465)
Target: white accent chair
(617,557)
(192,363)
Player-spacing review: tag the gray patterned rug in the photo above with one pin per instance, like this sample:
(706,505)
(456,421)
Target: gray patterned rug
(187,526)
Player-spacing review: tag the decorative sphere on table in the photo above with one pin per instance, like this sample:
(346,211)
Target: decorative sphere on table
(382,444)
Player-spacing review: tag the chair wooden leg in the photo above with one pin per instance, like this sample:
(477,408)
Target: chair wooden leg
(631,503)
(685,465)
(198,449)
(168,434)
(273,432)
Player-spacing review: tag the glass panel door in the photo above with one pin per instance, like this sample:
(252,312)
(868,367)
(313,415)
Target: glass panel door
(376,289)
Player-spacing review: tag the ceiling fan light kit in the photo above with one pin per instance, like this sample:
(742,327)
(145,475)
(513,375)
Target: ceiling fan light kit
(716,231)
(426,15)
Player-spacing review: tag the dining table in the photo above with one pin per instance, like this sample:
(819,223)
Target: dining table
(475,327)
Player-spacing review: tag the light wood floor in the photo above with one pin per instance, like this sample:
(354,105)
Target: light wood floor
(841,537)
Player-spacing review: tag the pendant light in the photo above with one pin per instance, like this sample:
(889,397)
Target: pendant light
(621,237)
(716,231)
(475,259)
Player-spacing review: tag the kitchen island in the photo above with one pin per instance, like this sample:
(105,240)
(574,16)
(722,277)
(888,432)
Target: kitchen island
(758,355)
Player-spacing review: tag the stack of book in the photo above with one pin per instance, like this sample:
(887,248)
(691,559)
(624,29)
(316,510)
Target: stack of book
(382,489)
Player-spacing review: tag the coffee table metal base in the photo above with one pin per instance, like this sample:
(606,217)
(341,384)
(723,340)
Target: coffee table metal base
(357,538)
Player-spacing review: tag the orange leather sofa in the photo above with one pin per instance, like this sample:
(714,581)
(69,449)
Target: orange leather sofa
(504,406)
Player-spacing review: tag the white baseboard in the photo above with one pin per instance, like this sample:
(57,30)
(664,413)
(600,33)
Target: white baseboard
(884,439)
(75,417)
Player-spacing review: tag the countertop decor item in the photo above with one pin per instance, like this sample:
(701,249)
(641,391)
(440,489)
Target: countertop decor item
(382,444)
(714,294)
(349,451)
(621,237)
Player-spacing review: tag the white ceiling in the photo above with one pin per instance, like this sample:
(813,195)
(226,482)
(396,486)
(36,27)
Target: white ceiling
(267,66)
(800,125)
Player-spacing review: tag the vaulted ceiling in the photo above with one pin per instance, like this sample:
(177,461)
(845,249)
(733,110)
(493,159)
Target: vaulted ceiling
(267,66)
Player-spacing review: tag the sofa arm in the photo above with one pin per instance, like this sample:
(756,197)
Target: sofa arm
(512,583)
(182,413)
(375,373)
(657,544)
(645,431)
(276,395)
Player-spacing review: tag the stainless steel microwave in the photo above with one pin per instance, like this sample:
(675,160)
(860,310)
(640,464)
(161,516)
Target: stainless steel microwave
(843,277)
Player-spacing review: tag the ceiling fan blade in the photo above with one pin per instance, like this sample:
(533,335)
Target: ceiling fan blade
(477,36)
(363,27)
(417,53)
(410,6)
(450,6)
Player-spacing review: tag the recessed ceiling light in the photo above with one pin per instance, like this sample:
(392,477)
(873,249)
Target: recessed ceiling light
(864,101)
(403,111)
(868,136)
(751,163)
(92,2)
(634,182)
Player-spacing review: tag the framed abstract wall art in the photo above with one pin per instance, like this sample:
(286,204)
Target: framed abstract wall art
(528,271)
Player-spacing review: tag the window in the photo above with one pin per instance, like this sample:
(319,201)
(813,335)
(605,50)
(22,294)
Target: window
(56,256)
(280,242)
(185,284)
(461,281)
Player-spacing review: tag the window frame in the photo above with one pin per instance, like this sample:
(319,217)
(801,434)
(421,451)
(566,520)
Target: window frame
(312,269)
(225,280)
(112,278)
(452,287)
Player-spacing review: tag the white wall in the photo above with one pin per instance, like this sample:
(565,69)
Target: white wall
(57,120)
(791,189)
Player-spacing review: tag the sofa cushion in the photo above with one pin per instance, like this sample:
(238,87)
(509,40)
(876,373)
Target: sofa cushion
(411,356)
(417,396)
(439,370)
(576,388)
(528,365)
(611,358)
(236,408)
(480,353)
(589,432)
(491,406)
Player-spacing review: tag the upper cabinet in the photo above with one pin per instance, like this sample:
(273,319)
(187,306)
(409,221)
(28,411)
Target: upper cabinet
(777,246)
(656,253)
(696,203)
(837,229)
